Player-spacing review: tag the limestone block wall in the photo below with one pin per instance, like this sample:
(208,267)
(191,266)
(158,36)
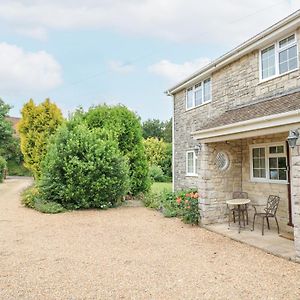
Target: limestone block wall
(296,196)
(215,185)
(258,192)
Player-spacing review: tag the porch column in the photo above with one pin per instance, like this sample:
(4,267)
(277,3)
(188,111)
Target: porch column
(295,186)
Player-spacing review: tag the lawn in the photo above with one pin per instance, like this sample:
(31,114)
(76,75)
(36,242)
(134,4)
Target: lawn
(159,187)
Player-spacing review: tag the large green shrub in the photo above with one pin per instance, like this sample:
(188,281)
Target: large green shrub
(37,125)
(83,168)
(156,173)
(126,130)
(2,168)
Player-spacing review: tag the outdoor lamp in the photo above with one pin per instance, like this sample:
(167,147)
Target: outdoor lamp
(292,138)
(197,148)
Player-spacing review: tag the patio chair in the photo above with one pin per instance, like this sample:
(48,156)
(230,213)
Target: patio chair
(243,209)
(269,212)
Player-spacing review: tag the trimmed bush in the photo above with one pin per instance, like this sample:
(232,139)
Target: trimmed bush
(156,173)
(3,166)
(83,168)
(125,128)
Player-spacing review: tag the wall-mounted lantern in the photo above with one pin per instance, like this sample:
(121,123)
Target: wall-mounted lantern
(292,138)
(197,148)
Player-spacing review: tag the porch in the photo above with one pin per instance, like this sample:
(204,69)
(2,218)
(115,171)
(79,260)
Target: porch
(270,242)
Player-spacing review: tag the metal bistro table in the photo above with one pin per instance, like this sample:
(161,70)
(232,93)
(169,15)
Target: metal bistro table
(238,203)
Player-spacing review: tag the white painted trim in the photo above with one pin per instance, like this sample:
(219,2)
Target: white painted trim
(258,126)
(267,156)
(281,28)
(277,50)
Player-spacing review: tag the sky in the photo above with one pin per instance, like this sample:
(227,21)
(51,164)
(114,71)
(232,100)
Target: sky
(90,52)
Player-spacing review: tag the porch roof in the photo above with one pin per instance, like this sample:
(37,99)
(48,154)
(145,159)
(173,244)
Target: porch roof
(266,116)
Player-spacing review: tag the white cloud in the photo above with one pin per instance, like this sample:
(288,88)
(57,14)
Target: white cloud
(176,72)
(120,67)
(228,21)
(27,71)
(35,32)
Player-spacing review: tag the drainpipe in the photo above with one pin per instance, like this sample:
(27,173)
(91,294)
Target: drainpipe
(290,223)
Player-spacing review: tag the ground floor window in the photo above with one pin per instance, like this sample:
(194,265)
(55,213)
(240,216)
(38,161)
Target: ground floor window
(268,163)
(191,163)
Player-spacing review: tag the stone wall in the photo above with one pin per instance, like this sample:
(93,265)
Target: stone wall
(296,196)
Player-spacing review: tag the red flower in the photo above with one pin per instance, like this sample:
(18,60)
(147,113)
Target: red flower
(178,200)
(186,201)
(188,207)
(187,195)
(196,195)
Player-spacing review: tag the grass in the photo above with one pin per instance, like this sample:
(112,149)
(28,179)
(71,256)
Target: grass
(159,187)
(15,169)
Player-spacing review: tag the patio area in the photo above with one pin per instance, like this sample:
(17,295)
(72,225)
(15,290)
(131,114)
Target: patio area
(270,242)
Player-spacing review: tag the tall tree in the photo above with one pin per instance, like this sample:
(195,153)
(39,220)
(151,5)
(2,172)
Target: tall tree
(6,130)
(153,128)
(37,124)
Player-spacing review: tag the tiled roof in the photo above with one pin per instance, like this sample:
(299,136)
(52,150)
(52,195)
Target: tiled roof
(273,106)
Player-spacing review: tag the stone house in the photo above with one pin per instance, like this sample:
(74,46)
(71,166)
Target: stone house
(231,121)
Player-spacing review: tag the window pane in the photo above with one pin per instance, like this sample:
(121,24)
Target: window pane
(190,164)
(268,62)
(282,175)
(272,149)
(288,59)
(287,41)
(207,90)
(256,163)
(279,149)
(198,95)
(273,163)
(256,152)
(281,162)
(259,163)
(274,174)
(189,98)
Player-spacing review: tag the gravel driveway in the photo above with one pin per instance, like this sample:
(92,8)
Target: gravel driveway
(128,253)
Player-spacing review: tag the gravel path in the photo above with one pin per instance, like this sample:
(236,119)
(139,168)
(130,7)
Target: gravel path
(128,253)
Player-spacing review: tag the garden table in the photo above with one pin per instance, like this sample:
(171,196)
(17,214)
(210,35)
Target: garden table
(238,203)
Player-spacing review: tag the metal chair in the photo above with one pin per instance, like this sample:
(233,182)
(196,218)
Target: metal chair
(269,212)
(234,210)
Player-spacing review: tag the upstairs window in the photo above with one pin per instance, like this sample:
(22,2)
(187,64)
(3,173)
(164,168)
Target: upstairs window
(199,94)
(279,58)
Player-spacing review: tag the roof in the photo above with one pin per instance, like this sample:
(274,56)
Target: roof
(266,107)
(285,26)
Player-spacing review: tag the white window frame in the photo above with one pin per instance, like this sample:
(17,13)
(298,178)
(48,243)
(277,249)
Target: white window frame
(277,51)
(194,89)
(267,156)
(194,163)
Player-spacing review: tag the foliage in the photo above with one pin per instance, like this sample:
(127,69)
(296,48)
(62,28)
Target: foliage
(37,125)
(158,129)
(183,204)
(17,168)
(159,154)
(32,198)
(2,168)
(125,128)
(83,168)
(156,173)
(6,131)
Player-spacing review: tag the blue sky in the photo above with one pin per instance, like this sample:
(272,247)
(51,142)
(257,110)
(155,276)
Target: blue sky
(87,52)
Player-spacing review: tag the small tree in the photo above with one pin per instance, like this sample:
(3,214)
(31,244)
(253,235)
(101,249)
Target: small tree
(83,168)
(6,131)
(37,124)
(126,129)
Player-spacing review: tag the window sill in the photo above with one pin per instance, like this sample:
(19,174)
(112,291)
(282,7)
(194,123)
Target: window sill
(262,81)
(269,181)
(194,107)
(191,175)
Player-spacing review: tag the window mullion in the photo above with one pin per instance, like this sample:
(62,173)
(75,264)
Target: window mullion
(277,58)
